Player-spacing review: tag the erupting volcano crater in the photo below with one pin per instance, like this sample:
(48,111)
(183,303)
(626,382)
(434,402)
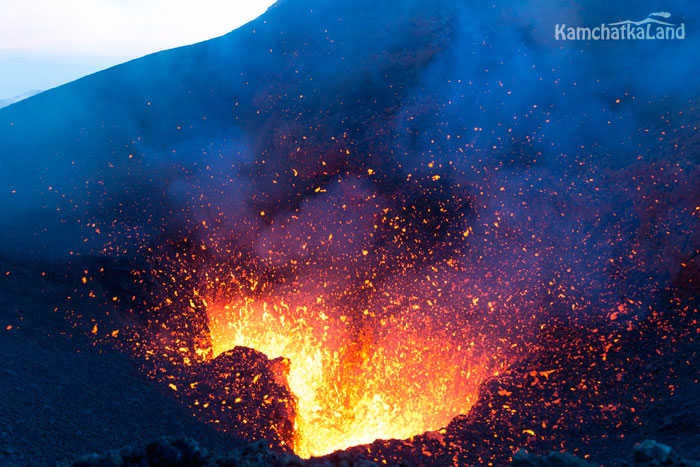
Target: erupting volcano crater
(421,232)
(336,378)
(352,388)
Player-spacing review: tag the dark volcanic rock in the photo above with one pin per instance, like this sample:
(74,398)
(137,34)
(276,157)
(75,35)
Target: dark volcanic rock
(652,454)
(649,453)
(523,458)
(181,452)
(185,452)
(245,393)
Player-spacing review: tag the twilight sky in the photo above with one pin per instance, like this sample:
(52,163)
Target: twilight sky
(45,43)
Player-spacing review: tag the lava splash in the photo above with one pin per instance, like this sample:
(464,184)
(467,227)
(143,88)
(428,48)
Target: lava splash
(353,388)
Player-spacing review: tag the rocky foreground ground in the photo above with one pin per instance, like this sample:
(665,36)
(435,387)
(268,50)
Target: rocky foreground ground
(185,452)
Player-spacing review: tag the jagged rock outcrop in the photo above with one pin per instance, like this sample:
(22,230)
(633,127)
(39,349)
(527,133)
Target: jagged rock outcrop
(523,458)
(245,393)
(648,453)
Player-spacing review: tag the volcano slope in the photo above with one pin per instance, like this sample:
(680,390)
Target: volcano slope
(441,197)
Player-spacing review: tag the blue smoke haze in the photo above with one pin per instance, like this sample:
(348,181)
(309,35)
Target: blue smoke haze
(567,164)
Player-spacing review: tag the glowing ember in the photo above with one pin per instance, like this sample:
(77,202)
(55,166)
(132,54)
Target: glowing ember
(388,381)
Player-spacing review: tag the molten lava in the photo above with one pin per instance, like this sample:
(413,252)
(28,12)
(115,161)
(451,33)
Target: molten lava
(355,384)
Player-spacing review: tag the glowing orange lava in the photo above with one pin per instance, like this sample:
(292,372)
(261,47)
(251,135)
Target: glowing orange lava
(390,379)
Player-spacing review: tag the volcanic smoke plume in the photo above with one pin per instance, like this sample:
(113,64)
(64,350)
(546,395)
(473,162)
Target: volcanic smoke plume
(349,221)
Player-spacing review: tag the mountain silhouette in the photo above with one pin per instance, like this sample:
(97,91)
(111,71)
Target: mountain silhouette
(14,99)
(67,152)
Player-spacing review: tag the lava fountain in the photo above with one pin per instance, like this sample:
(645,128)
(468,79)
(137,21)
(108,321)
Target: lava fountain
(392,380)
